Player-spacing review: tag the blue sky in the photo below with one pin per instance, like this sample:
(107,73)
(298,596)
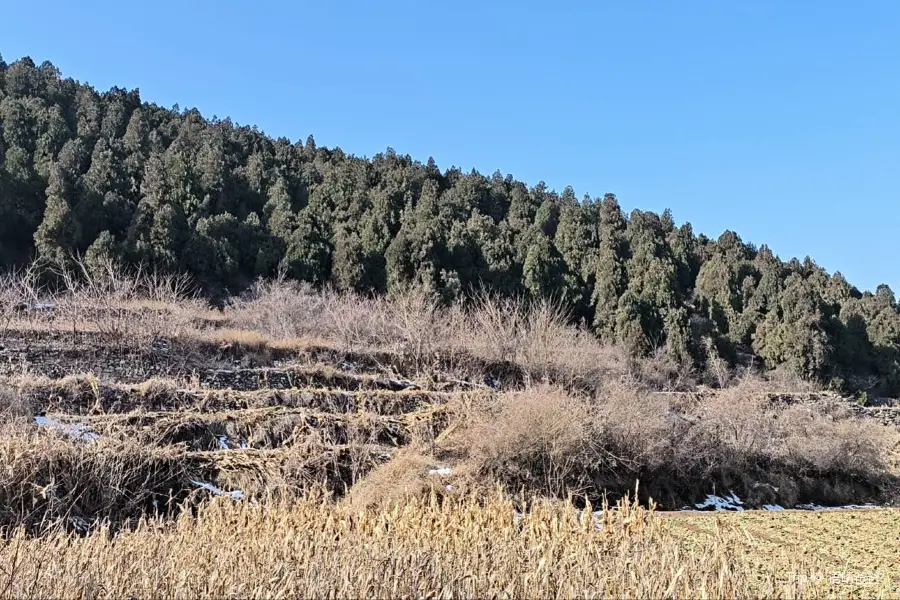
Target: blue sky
(779,120)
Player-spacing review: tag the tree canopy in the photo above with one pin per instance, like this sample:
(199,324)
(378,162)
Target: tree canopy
(109,176)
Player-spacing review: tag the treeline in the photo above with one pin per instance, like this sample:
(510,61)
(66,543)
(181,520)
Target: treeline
(107,176)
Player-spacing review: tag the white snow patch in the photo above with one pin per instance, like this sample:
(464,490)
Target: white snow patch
(442,471)
(846,507)
(236,494)
(76,430)
(730,502)
(772,507)
(226,443)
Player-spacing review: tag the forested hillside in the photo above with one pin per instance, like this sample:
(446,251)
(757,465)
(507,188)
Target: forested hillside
(106,175)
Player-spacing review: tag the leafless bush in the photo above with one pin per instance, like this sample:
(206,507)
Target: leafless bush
(551,442)
(21,296)
(660,371)
(280,308)
(13,405)
(536,337)
(553,350)
(123,304)
(288,310)
(357,323)
(497,326)
(418,325)
(636,426)
(10,301)
(540,439)
(718,371)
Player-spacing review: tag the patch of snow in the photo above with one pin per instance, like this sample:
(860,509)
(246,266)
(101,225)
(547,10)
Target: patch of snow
(442,471)
(76,430)
(772,507)
(81,526)
(846,507)
(226,443)
(235,495)
(730,502)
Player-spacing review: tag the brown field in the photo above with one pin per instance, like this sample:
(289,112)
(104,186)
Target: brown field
(383,447)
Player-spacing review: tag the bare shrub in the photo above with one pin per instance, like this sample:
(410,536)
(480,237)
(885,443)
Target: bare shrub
(21,297)
(660,371)
(280,308)
(427,336)
(786,381)
(417,322)
(496,327)
(809,442)
(13,405)
(725,433)
(636,427)
(539,439)
(740,432)
(124,305)
(290,310)
(550,442)
(552,350)
(10,301)
(357,323)
(538,338)
(718,372)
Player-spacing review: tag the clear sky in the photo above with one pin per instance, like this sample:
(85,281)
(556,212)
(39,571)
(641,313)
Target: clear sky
(777,119)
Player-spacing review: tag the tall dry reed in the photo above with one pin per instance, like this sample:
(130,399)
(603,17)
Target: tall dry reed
(417,547)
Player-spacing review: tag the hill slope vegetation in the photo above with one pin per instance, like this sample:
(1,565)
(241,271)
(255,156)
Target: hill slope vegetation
(107,176)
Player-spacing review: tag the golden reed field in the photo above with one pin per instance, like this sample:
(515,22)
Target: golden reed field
(423,547)
(296,443)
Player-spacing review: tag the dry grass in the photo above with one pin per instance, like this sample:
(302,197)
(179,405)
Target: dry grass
(404,476)
(126,307)
(418,547)
(540,439)
(13,406)
(507,393)
(551,442)
(49,479)
(500,337)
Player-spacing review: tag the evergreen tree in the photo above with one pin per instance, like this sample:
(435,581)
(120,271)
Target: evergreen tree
(118,179)
(59,233)
(610,278)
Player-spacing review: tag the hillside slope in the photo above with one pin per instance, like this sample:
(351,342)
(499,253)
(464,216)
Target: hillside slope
(108,176)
